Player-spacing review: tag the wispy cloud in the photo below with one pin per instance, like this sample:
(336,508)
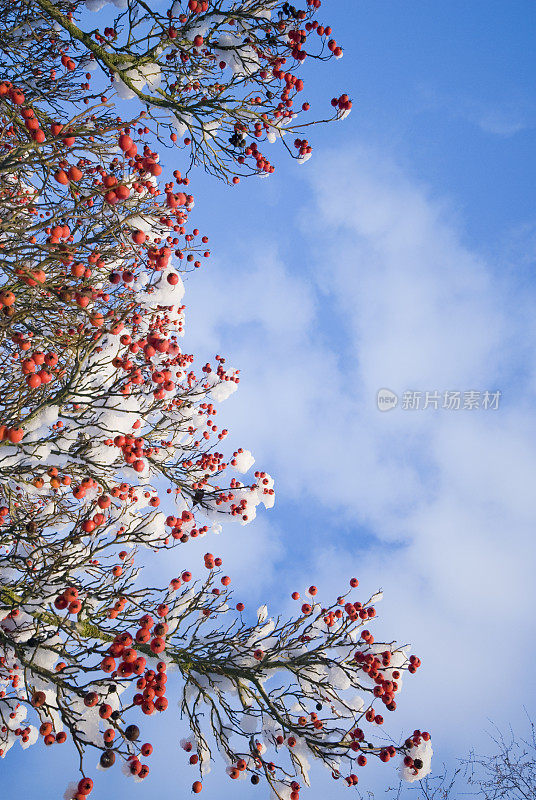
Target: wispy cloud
(389,295)
(502,117)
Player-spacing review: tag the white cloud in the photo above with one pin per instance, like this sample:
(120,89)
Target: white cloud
(497,116)
(500,124)
(393,297)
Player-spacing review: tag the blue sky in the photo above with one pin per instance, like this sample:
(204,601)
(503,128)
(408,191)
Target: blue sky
(400,256)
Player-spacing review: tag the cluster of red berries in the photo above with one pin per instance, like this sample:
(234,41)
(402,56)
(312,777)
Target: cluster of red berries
(343,103)
(69,600)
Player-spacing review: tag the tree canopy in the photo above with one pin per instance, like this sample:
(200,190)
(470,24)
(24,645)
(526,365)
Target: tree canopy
(109,446)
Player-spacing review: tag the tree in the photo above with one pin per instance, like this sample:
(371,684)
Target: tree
(212,70)
(509,773)
(105,420)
